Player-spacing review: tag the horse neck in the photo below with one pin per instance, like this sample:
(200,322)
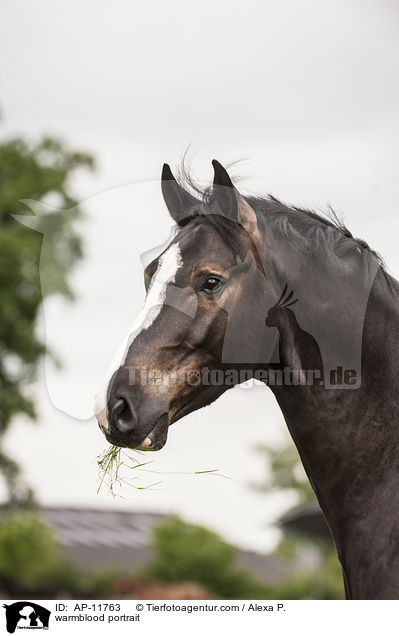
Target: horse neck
(348,441)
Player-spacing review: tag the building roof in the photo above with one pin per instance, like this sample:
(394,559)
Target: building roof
(307,520)
(101,528)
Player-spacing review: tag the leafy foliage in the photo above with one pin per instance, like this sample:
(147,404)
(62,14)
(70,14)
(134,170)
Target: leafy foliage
(30,171)
(29,553)
(286,473)
(186,552)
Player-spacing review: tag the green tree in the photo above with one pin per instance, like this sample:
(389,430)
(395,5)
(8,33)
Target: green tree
(187,552)
(30,554)
(286,473)
(30,171)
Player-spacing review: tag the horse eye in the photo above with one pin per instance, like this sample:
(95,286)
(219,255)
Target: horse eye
(212,284)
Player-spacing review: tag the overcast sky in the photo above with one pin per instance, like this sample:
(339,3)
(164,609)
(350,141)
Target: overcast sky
(306,92)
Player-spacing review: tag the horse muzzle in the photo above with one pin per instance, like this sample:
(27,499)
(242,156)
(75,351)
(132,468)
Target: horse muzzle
(122,427)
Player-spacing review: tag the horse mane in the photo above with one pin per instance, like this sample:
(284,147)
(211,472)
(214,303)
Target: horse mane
(324,234)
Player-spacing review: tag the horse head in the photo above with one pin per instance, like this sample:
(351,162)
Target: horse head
(205,302)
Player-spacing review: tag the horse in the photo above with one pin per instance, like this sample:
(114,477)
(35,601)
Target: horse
(218,311)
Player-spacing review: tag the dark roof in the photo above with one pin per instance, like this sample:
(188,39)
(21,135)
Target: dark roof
(79,526)
(307,520)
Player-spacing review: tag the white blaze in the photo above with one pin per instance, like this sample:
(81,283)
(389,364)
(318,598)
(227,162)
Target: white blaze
(168,265)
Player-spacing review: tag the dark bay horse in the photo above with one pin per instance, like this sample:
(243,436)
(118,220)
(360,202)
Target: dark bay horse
(250,287)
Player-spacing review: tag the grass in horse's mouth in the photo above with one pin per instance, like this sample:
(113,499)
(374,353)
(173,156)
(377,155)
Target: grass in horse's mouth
(114,459)
(110,463)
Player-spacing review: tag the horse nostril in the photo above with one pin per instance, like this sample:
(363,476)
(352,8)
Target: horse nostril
(118,407)
(122,416)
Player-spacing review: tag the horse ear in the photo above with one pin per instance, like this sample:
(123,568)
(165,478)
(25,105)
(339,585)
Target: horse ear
(230,201)
(180,203)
